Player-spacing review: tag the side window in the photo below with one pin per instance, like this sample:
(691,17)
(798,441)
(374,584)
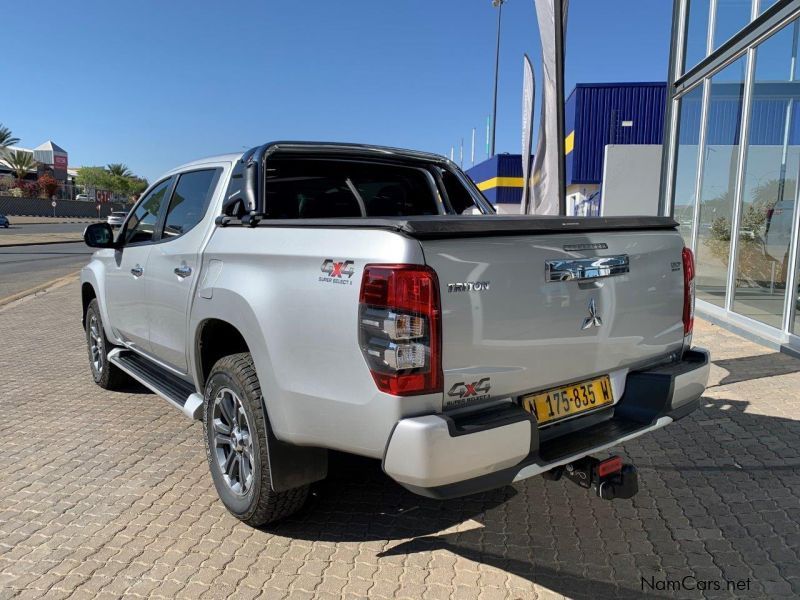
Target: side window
(189,202)
(141,226)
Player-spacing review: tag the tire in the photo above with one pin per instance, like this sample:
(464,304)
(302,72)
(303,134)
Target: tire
(236,445)
(106,375)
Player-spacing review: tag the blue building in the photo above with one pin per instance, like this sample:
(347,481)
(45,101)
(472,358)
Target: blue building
(597,114)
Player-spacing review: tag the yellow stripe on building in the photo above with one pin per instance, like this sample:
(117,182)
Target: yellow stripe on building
(569,143)
(494,182)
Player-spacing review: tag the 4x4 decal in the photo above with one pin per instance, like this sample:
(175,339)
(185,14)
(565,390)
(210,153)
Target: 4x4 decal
(337,271)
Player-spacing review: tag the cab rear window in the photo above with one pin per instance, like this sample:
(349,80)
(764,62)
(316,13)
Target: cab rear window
(320,189)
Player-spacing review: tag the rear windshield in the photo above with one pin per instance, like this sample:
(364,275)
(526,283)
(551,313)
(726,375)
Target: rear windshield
(321,189)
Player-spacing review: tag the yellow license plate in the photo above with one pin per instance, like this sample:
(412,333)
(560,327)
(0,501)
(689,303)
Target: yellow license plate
(561,402)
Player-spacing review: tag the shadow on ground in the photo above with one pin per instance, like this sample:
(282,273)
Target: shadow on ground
(717,502)
(747,368)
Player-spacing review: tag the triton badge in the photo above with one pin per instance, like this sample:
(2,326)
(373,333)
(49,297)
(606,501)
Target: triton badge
(468,286)
(593,320)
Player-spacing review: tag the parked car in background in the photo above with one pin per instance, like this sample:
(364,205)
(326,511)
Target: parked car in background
(4,222)
(116,218)
(306,297)
(82,197)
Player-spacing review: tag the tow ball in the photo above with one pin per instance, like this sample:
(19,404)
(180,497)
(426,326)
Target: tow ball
(609,478)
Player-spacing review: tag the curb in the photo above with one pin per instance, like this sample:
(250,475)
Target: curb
(31,292)
(39,243)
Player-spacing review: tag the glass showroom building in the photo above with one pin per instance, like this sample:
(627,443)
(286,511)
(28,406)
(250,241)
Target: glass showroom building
(732,159)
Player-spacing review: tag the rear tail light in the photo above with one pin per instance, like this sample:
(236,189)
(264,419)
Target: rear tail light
(399,328)
(688,292)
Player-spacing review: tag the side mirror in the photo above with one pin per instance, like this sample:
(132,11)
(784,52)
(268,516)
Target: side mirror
(99,235)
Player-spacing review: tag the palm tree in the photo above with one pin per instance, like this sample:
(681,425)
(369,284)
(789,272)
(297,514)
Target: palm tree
(119,170)
(6,138)
(19,161)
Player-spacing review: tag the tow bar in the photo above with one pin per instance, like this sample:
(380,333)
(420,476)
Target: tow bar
(608,478)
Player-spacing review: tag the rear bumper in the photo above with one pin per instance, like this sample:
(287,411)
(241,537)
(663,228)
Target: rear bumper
(443,456)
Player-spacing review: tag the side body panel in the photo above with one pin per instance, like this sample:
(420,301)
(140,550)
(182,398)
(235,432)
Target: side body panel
(300,323)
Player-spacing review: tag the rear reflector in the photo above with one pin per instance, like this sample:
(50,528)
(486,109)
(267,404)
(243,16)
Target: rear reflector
(609,466)
(688,292)
(399,325)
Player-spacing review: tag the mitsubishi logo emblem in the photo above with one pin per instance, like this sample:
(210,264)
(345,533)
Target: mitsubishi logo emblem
(592,320)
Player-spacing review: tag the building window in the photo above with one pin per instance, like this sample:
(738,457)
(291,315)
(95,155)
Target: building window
(684,195)
(770,182)
(696,33)
(729,18)
(719,182)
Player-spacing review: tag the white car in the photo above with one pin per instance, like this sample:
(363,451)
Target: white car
(116,218)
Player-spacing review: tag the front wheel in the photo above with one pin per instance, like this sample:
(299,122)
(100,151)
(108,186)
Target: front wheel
(106,375)
(236,445)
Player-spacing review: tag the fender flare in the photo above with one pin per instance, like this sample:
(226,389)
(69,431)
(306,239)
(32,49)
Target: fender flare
(290,466)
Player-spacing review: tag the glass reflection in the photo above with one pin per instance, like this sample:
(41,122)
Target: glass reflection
(770,182)
(686,161)
(719,182)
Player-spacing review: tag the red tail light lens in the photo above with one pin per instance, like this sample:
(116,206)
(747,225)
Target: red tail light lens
(688,292)
(399,323)
(609,466)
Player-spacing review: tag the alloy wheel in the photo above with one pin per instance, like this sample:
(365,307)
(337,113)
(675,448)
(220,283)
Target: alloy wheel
(96,344)
(233,443)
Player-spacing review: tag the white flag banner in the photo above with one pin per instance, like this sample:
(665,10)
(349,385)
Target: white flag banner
(528,95)
(548,160)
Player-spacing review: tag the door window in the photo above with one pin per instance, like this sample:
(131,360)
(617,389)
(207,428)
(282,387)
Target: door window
(141,225)
(189,202)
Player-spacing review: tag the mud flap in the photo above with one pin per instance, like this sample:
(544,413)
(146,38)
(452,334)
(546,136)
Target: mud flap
(293,466)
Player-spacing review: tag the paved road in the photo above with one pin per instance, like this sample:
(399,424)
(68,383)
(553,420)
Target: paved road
(33,228)
(108,494)
(23,267)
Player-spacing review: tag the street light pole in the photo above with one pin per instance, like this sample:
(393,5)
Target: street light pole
(499,5)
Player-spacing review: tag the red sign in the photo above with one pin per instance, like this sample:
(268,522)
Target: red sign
(60,162)
(102,196)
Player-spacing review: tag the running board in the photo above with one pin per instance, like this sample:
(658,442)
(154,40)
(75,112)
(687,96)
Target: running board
(171,388)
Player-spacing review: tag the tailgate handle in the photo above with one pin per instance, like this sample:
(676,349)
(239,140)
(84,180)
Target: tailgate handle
(578,269)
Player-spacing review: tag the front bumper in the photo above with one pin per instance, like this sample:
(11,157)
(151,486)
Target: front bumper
(442,456)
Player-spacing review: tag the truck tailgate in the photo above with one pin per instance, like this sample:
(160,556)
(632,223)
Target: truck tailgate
(506,318)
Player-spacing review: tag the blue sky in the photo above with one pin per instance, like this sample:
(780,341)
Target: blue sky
(154,84)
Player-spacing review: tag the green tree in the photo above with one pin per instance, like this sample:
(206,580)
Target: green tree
(6,138)
(137,185)
(94,177)
(19,161)
(119,170)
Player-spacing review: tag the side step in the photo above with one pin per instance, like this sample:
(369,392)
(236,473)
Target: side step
(172,388)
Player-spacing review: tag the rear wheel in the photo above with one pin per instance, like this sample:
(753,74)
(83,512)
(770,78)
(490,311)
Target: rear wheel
(106,375)
(236,445)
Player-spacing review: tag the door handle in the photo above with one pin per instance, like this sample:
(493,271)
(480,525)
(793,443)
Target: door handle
(137,271)
(183,271)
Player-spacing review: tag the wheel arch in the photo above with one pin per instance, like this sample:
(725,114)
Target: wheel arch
(225,325)
(88,294)
(233,329)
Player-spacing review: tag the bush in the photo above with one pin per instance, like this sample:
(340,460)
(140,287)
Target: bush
(15,192)
(48,185)
(7,184)
(28,189)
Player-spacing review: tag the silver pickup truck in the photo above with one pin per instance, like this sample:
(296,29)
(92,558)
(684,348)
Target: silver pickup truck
(307,297)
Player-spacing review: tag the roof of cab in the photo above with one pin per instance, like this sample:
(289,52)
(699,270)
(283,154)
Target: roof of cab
(220,158)
(286,145)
